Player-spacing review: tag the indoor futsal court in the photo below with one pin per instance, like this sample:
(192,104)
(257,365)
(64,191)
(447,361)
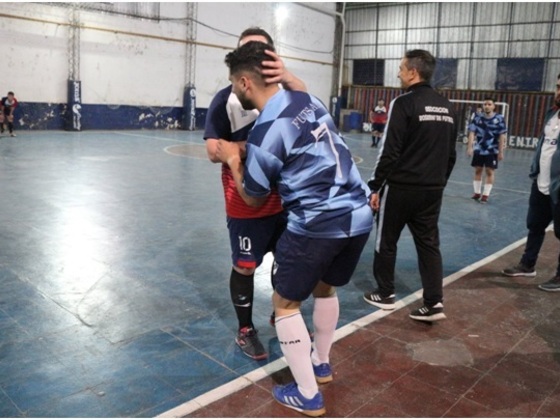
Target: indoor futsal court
(114,299)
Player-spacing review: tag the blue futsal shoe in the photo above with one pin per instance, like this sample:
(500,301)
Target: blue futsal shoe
(289,396)
(323,373)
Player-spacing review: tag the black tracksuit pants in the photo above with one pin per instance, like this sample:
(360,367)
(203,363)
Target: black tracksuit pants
(541,212)
(418,209)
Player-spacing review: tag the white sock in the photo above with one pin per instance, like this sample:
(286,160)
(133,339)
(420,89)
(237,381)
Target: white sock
(296,346)
(487,189)
(477,186)
(325,318)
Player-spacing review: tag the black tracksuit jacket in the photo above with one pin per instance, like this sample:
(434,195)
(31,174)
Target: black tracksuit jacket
(418,150)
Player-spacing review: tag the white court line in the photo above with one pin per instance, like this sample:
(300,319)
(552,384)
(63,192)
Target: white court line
(175,140)
(256,375)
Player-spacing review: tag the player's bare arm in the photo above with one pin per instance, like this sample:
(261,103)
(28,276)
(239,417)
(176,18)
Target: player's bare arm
(470,143)
(230,153)
(502,143)
(212,149)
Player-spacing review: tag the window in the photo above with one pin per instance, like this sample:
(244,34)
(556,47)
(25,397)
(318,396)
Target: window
(368,72)
(445,74)
(520,74)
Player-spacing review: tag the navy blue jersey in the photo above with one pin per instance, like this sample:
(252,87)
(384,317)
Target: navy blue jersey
(226,119)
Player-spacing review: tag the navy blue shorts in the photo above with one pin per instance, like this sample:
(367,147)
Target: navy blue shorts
(488,161)
(300,262)
(251,239)
(378,127)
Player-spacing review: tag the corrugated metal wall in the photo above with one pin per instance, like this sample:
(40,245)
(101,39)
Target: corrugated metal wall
(476,34)
(525,116)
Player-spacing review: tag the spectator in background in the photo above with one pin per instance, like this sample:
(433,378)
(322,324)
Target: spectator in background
(7,106)
(544,201)
(378,119)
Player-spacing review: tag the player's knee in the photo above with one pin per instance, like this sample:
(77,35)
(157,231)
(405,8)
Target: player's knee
(323,290)
(283,306)
(244,271)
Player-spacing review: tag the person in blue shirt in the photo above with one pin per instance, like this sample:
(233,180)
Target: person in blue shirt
(486,143)
(295,147)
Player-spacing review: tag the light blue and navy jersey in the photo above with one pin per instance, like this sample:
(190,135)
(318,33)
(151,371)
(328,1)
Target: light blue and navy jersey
(487,133)
(295,146)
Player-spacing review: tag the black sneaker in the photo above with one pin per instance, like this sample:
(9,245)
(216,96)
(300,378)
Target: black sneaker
(520,270)
(553,285)
(374,298)
(429,313)
(248,341)
(476,196)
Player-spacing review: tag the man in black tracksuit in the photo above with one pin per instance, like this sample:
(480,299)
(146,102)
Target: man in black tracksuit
(414,164)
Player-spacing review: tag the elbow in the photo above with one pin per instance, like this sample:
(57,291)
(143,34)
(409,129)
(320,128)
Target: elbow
(253,201)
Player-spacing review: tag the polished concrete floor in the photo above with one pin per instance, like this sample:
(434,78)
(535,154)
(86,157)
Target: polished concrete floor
(114,301)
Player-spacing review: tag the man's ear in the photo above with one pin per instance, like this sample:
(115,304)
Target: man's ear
(245,82)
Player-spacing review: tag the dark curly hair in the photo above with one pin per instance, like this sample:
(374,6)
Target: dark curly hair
(248,58)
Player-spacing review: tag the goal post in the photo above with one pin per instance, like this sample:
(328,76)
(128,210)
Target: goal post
(465,111)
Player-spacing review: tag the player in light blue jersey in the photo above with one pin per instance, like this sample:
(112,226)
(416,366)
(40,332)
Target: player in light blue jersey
(295,147)
(486,143)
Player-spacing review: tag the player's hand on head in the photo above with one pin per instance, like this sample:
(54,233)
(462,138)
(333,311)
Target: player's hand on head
(273,69)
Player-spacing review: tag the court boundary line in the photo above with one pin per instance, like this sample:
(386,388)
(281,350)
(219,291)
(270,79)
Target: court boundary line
(251,378)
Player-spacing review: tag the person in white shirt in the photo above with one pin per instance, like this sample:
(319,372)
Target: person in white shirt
(544,201)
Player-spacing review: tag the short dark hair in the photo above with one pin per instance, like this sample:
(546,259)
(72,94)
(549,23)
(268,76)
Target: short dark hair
(489,98)
(255,30)
(558,75)
(248,58)
(10,93)
(422,61)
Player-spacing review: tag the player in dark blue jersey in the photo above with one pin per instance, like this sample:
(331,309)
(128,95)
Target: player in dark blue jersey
(295,147)
(227,120)
(486,143)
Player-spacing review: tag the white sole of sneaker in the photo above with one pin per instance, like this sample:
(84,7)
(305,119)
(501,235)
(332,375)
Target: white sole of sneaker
(385,306)
(548,290)
(434,317)
(533,274)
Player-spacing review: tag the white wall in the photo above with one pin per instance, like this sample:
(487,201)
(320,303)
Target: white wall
(118,67)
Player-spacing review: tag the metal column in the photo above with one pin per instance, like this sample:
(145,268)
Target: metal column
(189,94)
(74,106)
